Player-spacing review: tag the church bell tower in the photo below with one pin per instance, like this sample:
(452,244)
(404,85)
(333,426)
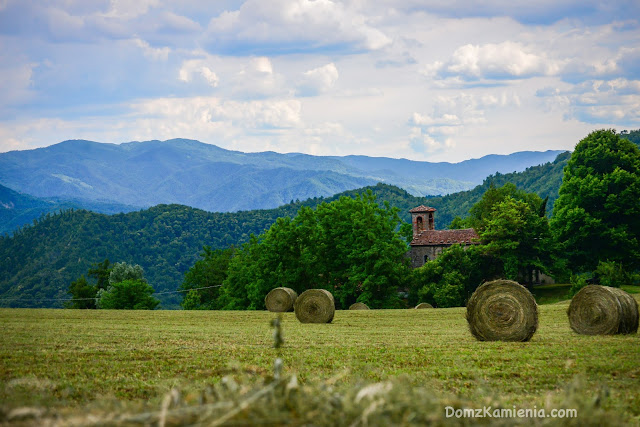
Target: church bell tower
(422,218)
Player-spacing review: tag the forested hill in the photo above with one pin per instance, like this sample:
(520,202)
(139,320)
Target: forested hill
(38,262)
(17,209)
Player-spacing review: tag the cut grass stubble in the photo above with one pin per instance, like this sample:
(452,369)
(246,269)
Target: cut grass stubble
(73,357)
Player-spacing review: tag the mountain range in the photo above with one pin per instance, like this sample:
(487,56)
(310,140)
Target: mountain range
(112,178)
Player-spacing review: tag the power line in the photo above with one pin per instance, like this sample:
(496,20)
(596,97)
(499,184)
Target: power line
(187,290)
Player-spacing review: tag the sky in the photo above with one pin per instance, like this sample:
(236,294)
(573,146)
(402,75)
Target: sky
(423,80)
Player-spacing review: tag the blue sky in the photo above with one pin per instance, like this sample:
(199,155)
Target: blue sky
(424,80)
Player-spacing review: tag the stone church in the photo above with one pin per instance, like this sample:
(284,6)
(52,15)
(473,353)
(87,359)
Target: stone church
(428,242)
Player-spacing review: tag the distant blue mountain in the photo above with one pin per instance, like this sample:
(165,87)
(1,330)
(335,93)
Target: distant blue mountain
(143,174)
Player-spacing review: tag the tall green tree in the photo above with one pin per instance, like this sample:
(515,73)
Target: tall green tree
(513,230)
(127,290)
(122,271)
(352,247)
(242,274)
(519,237)
(130,294)
(450,279)
(100,271)
(597,215)
(202,282)
(362,251)
(83,294)
(482,211)
(515,241)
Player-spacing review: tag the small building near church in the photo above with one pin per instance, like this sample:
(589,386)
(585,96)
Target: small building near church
(428,243)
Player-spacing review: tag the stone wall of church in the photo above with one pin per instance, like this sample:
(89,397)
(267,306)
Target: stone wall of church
(420,254)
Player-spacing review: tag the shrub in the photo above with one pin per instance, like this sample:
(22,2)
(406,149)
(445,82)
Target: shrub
(578,281)
(128,295)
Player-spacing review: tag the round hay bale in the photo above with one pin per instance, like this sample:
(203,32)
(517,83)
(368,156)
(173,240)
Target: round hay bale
(280,300)
(602,310)
(315,306)
(502,310)
(424,305)
(359,306)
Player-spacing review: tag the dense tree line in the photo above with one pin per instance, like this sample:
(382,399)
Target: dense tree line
(597,216)
(352,247)
(38,263)
(356,249)
(596,228)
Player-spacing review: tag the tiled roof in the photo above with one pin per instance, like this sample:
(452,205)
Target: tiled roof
(446,237)
(422,208)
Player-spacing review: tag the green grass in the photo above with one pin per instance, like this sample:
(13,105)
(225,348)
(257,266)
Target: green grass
(551,294)
(557,292)
(73,358)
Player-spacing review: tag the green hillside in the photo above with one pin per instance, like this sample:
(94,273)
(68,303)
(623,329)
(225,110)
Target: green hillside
(544,180)
(38,262)
(18,210)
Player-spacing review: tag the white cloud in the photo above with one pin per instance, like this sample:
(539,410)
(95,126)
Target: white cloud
(598,101)
(257,79)
(425,143)
(506,60)
(15,82)
(174,23)
(451,115)
(193,67)
(318,80)
(260,65)
(294,25)
(127,9)
(209,110)
(156,54)
(329,76)
(418,119)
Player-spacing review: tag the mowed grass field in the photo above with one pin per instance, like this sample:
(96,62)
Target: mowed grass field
(71,358)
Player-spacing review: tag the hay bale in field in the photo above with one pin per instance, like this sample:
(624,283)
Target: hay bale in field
(359,306)
(602,310)
(280,300)
(502,310)
(315,306)
(424,305)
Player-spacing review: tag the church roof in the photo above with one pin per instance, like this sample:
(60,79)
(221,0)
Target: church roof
(466,236)
(422,208)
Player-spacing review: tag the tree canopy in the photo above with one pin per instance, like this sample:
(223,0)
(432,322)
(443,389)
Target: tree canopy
(515,241)
(352,247)
(518,235)
(127,290)
(202,282)
(83,293)
(597,215)
(130,294)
